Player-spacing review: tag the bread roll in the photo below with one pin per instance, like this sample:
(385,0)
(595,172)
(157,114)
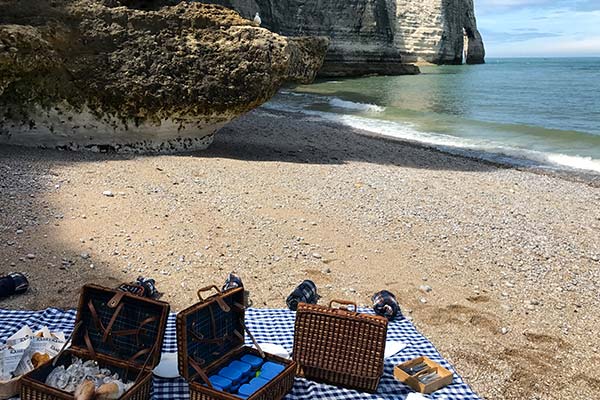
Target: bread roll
(111,390)
(38,359)
(85,391)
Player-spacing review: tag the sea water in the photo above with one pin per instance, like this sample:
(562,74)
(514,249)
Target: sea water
(528,111)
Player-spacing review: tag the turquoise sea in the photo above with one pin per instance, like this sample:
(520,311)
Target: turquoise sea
(543,112)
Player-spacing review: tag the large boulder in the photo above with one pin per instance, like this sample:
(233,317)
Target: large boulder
(136,76)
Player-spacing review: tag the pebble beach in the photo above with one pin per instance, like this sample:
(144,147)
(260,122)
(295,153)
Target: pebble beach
(499,267)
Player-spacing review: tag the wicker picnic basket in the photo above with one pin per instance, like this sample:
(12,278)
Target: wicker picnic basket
(10,388)
(210,334)
(121,331)
(338,346)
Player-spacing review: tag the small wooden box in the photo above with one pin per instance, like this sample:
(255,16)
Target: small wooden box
(210,334)
(340,347)
(412,381)
(121,331)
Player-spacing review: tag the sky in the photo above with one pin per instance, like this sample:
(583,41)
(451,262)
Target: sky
(539,28)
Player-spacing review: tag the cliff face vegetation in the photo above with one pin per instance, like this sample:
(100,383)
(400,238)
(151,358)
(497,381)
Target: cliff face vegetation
(136,76)
(376,35)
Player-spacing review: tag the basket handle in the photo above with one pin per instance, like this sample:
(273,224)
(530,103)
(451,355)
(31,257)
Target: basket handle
(344,302)
(220,301)
(206,289)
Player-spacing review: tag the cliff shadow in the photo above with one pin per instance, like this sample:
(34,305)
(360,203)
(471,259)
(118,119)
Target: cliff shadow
(288,137)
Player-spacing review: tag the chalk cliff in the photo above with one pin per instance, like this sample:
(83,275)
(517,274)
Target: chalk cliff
(376,36)
(134,77)
(438,31)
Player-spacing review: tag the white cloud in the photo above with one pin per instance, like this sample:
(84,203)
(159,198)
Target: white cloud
(503,5)
(539,28)
(548,47)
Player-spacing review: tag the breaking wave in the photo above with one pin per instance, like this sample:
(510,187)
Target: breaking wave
(485,150)
(351,105)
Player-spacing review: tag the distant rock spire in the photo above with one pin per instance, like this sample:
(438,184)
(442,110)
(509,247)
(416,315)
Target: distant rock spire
(257,20)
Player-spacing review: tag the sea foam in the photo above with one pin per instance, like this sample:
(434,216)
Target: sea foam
(488,150)
(351,105)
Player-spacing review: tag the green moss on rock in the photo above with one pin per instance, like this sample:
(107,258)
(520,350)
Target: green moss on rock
(190,63)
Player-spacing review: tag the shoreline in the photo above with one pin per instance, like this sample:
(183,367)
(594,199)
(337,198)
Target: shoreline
(499,267)
(588,177)
(573,175)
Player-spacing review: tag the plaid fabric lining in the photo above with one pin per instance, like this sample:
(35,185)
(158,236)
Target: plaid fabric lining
(271,326)
(200,325)
(129,318)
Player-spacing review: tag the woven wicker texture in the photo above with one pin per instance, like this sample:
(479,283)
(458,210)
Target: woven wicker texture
(33,386)
(30,393)
(117,332)
(340,347)
(212,334)
(275,390)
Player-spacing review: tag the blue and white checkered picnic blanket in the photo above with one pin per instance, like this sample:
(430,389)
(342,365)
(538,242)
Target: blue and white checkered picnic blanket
(270,326)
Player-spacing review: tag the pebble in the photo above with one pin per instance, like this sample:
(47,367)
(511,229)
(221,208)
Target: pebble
(316,255)
(19,231)
(108,193)
(31,256)
(423,300)
(504,330)
(511,248)
(425,288)
(85,256)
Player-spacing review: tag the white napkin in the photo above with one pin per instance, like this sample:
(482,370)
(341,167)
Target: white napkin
(392,347)
(167,368)
(275,349)
(416,396)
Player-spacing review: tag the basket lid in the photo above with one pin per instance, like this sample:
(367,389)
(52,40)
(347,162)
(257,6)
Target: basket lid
(120,325)
(209,330)
(339,340)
